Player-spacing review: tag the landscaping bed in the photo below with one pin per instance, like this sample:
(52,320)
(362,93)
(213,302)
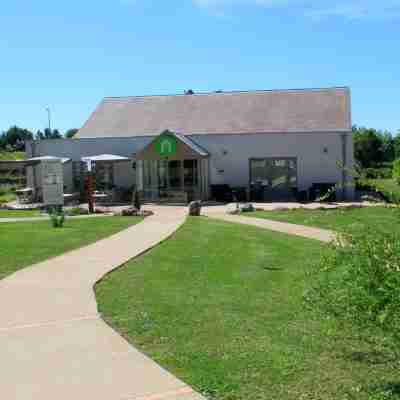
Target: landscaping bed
(221,306)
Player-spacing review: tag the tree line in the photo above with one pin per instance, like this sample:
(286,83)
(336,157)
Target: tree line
(14,138)
(373,148)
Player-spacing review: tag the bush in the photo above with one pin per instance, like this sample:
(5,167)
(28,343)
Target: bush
(7,193)
(377,173)
(396,170)
(360,281)
(57,218)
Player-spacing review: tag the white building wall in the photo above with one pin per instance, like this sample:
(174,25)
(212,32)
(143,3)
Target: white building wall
(229,154)
(78,148)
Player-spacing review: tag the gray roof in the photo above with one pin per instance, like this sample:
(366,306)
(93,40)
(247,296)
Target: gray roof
(313,110)
(194,146)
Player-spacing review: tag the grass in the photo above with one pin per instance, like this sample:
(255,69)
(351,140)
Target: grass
(383,218)
(26,243)
(12,155)
(220,306)
(19,213)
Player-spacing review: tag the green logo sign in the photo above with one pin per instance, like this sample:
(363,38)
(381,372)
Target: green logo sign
(166,146)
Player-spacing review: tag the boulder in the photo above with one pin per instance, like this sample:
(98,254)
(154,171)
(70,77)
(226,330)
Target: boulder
(130,212)
(248,207)
(195,208)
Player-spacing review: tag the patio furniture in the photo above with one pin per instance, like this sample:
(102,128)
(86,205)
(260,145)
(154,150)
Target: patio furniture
(102,197)
(25,195)
(318,190)
(71,198)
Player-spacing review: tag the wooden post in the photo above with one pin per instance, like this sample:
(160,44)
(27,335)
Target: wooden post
(182,176)
(90,193)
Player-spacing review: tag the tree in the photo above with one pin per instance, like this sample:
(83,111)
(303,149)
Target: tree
(14,139)
(367,146)
(388,151)
(396,144)
(48,134)
(71,133)
(372,146)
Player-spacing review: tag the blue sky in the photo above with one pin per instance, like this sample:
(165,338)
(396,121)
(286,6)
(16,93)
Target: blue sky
(69,55)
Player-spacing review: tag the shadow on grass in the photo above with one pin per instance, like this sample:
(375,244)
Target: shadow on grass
(273,268)
(373,357)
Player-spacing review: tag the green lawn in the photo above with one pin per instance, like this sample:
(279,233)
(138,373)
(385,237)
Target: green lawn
(383,218)
(26,243)
(12,155)
(19,213)
(220,306)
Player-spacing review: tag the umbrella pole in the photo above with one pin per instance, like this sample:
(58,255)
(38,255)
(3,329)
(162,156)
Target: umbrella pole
(90,193)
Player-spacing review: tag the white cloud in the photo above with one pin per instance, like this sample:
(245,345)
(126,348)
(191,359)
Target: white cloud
(352,9)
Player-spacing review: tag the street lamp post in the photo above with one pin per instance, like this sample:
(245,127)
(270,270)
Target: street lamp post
(49,118)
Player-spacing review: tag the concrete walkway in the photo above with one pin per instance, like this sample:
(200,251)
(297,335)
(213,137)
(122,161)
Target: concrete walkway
(53,343)
(322,235)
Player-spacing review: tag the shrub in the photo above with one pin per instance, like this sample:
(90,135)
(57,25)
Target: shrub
(57,218)
(396,170)
(360,281)
(7,193)
(377,173)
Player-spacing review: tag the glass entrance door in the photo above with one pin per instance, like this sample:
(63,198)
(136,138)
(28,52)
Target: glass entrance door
(171,180)
(175,175)
(273,179)
(191,179)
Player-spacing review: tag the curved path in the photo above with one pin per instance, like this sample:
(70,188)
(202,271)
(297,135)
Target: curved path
(53,342)
(309,232)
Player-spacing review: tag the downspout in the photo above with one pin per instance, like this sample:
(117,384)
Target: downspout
(344,166)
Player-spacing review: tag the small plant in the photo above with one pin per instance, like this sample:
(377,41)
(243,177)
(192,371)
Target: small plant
(57,218)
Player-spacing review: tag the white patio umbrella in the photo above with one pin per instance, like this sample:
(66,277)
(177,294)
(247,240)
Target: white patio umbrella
(34,160)
(105,157)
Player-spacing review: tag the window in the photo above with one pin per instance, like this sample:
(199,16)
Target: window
(273,179)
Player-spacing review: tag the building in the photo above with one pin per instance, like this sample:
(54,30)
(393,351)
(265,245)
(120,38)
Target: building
(275,145)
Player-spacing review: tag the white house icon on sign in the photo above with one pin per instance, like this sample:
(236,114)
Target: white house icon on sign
(166,146)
